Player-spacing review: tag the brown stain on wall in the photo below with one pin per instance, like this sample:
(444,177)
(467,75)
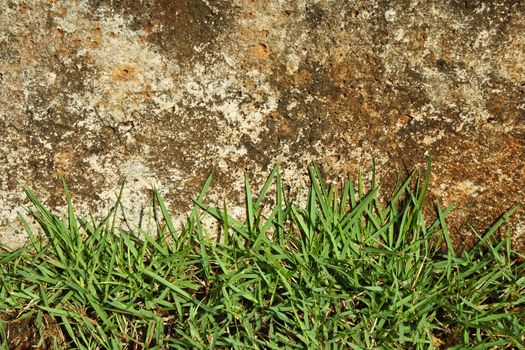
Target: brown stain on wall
(123,73)
(259,51)
(165,92)
(63,163)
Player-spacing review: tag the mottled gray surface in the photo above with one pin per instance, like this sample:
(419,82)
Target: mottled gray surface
(164,92)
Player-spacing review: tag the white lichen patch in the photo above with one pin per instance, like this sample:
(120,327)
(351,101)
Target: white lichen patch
(129,72)
(429,140)
(390,15)
(467,188)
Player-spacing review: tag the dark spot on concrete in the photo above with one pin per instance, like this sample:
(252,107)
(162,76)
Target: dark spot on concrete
(443,66)
(314,15)
(181,29)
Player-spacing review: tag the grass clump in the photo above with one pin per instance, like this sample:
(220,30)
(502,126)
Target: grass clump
(341,272)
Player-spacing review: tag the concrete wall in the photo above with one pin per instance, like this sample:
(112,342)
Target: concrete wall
(164,92)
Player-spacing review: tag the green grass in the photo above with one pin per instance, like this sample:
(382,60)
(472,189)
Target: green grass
(342,272)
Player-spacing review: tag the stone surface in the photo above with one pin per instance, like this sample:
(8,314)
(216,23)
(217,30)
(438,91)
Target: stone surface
(164,92)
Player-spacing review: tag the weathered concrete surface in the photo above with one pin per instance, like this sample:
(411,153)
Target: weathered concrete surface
(164,92)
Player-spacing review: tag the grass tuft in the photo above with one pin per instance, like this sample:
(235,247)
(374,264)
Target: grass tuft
(341,272)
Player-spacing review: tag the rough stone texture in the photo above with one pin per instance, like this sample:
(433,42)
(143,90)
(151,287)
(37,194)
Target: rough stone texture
(165,92)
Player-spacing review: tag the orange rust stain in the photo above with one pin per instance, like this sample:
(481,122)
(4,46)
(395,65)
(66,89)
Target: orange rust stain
(147,31)
(302,78)
(125,72)
(254,35)
(61,51)
(59,33)
(63,162)
(77,40)
(89,59)
(260,51)
(513,146)
(97,39)
(62,11)
(23,8)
